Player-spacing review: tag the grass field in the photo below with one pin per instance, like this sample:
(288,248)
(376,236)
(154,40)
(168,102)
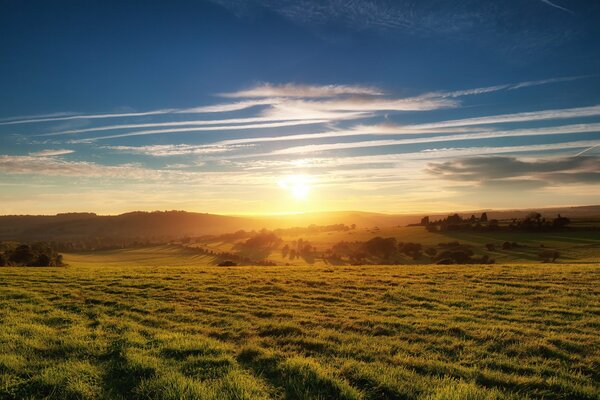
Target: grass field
(373,332)
(165,255)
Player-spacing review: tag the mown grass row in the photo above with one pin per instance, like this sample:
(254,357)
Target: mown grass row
(431,332)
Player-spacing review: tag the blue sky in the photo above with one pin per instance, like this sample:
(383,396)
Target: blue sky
(267,106)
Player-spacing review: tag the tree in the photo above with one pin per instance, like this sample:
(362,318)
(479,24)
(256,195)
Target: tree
(454,219)
(22,255)
(381,247)
(227,264)
(43,260)
(2,260)
(411,249)
(425,221)
(431,252)
(549,255)
(560,222)
(483,218)
(490,246)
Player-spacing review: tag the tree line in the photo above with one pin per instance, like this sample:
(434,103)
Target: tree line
(29,255)
(533,222)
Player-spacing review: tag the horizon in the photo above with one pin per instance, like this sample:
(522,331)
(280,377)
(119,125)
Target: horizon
(254,107)
(416,213)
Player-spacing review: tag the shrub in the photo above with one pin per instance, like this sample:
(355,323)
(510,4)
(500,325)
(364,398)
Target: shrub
(227,263)
(549,255)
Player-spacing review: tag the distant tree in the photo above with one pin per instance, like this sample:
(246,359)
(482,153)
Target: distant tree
(549,255)
(454,219)
(2,260)
(381,247)
(425,221)
(353,226)
(509,245)
(411,249)
(285,251)
(430,251)
(43,260)
(560,222)
(493,224)
(490,246)
(227,263)
(483,218)
(22,255)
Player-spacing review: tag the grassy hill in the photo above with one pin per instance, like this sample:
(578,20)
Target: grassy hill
(574,246)
(363,332)
(171,224)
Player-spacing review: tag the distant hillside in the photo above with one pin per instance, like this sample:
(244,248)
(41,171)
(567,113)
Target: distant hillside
(130,225)
(169,224)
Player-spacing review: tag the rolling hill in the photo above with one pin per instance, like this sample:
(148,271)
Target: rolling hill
(170,224)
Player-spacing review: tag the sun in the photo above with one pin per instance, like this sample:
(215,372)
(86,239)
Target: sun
(297,185)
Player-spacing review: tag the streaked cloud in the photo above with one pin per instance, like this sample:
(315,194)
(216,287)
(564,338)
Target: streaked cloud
(51,152)
(176,149)
(551,4)
(558,130)
(580,112)
(209,128)
(298,90)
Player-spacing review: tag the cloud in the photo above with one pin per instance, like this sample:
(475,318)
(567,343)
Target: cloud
(209,128)
(427,154)
(51,152)
(551,4)
(285,103)
(555,171)
(565,113)
(237,106)
(176,149)
(497,88)
(559,130)
(50,166)
(306,91)
(86,116)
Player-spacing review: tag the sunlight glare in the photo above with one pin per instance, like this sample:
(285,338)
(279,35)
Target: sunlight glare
(297,185)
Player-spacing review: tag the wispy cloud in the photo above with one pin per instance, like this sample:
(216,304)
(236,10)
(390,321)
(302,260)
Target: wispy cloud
(298,90)
(86,116)
(176,149)
(287,102)
(567,113)
(209,128)
(565,129)
(427,154)
(51,152)
(551,4)
(497,88)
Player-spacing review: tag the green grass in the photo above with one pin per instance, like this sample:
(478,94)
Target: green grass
(141,256)
(373,332)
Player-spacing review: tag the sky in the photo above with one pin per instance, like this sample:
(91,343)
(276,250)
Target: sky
(281,106)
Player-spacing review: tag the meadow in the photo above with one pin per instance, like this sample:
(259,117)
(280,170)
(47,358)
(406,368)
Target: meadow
(131,331)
